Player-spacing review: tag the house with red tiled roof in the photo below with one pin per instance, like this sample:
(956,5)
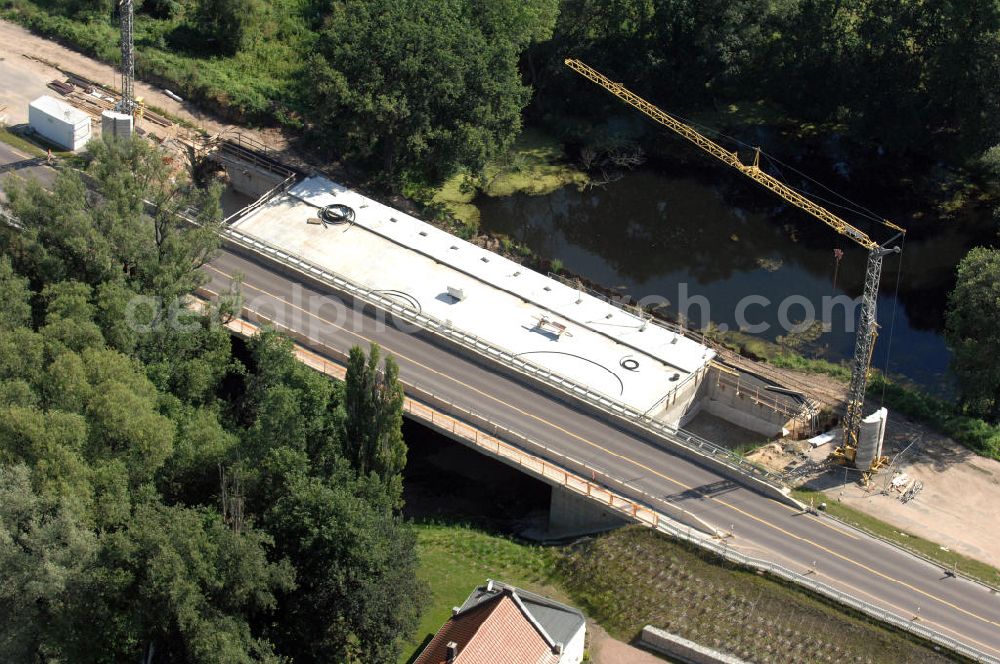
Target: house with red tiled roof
(501,624)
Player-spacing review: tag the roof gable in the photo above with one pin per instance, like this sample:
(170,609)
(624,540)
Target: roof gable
(557,622)
(494,631)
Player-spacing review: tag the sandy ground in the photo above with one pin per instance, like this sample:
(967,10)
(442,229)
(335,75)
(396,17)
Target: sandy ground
(958,506)
(606,650)
(23,79)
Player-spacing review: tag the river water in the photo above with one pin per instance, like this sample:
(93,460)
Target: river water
(677,240)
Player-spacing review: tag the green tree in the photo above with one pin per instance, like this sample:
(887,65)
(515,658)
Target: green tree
(69,317)
(143,199)
(287,404)
(46,555)
(358,592)
(990,164)
(178,584)
(232,24)
(15,297)
(973,330)
(129,228)
(417,89)
(59,239)
(373,404)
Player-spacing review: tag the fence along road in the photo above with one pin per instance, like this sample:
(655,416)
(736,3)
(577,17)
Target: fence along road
(862,572)
(846,561)
(450,418)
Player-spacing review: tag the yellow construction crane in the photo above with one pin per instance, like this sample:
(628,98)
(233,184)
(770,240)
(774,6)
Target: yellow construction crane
(868,329)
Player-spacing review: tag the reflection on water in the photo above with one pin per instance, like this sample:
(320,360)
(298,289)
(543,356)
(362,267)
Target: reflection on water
(651,235)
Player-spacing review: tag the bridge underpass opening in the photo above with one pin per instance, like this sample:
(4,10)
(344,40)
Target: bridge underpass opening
(445,480)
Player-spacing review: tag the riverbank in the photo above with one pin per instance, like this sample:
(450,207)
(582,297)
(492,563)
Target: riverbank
(536,165)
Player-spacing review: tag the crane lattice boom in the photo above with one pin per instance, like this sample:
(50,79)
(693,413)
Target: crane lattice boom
(868,329)
(726,156)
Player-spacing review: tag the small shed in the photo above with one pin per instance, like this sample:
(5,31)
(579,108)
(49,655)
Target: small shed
(58,122)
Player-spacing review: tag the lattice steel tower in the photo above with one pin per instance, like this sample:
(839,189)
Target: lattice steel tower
(861,364)
(127,103)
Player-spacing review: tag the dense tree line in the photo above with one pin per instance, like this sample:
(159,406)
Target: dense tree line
(163,498)
(973,331)
(415,89)
(903,82)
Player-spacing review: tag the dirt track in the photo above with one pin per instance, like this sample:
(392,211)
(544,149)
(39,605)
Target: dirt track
(16,43)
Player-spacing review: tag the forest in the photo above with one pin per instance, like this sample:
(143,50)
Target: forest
(417,89)
(166,493)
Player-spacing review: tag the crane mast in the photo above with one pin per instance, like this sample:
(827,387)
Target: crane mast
(868,328)
(127,103)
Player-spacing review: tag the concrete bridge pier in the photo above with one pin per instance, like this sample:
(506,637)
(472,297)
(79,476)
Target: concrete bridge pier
(571,514)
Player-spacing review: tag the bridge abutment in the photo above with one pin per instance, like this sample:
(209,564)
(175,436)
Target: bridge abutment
(572,514)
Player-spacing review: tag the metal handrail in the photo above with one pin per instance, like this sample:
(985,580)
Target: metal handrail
(495,353)
(281,187)
(658,521)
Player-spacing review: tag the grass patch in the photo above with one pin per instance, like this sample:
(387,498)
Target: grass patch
(455,559)
(774,354)
(536,165)
(456,195)
(947,559)
(34,144)
(19,142)
(634,576)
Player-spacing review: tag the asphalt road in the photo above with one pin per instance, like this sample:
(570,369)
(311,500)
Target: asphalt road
(764,528)
(14,162)
(840,557)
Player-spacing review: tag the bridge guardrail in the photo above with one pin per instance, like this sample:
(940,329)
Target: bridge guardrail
(643,511)
(495,353)
(912,626)
(424,403)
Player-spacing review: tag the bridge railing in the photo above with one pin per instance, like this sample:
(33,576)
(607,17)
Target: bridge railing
(533,456)
(618,494)
(911,625)
(503,356)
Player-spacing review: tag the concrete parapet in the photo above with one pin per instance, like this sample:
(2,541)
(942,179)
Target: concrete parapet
(249,180)
(748,407)
(681,649)
(566,395)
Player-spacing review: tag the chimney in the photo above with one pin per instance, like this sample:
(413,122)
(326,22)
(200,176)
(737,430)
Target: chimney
(557,649)
(451,652)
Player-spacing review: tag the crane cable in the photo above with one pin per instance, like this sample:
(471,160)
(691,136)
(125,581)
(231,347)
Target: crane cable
(852,206)
(892,325)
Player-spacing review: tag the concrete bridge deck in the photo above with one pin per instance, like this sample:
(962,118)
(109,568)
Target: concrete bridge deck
(765,528)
